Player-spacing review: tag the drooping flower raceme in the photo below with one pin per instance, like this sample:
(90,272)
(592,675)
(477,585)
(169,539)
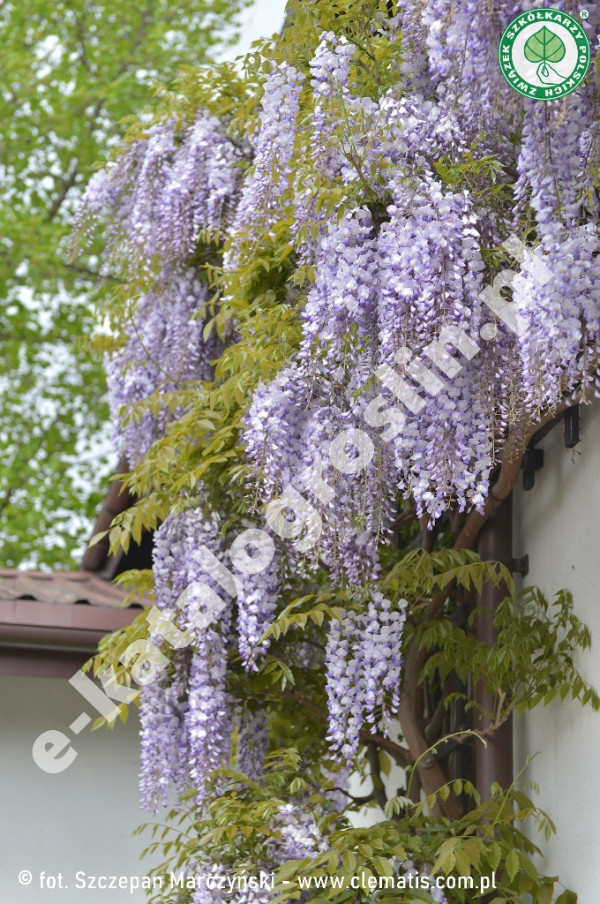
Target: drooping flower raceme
(364,663)
(164,739)
(267,180)
(164,351)
(204,717)
(257,599)
(201,188)
(166,187)
(160,194)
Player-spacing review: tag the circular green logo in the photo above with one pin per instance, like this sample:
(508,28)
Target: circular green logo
(544,54)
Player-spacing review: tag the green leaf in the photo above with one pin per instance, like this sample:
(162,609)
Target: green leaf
(383,866)
(544,46)
(545,894)
(567,897)
(494,855)
(512,864)
(349,861)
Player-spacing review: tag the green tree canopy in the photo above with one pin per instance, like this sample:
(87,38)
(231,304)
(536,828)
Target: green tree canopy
(72,72)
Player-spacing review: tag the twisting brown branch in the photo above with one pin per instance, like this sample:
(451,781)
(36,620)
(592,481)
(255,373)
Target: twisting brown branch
(509,471)
(400,754)
(431,774)
(360,801)
(433,727)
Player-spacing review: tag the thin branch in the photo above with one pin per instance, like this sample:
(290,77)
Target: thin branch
(375,768)
(135,44)
(408,517)
(360,801)
(66,185)
(95,274)
(81,41)
(400,754)
(69,180)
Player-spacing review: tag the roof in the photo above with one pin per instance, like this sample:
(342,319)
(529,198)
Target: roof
(51,623)
(67,588)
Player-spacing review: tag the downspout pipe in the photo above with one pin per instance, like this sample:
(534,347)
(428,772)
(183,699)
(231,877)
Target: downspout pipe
(494,762)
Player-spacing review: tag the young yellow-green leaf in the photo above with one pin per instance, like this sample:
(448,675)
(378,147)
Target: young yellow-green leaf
(494,855)
(383,866)
(349,860)
(512,864)
(567,897)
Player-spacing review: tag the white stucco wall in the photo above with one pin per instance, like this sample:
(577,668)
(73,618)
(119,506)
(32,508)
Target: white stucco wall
(558,525)
(80,819)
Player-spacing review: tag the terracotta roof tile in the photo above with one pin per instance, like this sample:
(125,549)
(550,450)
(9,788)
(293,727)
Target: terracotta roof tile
(68,587)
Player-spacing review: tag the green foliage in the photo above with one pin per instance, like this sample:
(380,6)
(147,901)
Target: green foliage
(531,661)
(72,72)
(418,574)
(485,842)
(237,830)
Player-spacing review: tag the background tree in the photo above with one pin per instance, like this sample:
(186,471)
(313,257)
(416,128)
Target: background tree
(72,71)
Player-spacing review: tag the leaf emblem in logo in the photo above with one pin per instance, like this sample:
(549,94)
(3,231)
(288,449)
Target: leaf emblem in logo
(545,47)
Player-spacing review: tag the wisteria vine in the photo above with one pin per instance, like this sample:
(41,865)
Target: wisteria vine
(378,187)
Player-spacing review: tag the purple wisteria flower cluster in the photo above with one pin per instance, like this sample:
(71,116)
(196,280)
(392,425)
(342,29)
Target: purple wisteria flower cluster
(364,664)
(162,192)
(187,721)
(407,262)
(257,602)
(164,189)
(261,194)
(164,351)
